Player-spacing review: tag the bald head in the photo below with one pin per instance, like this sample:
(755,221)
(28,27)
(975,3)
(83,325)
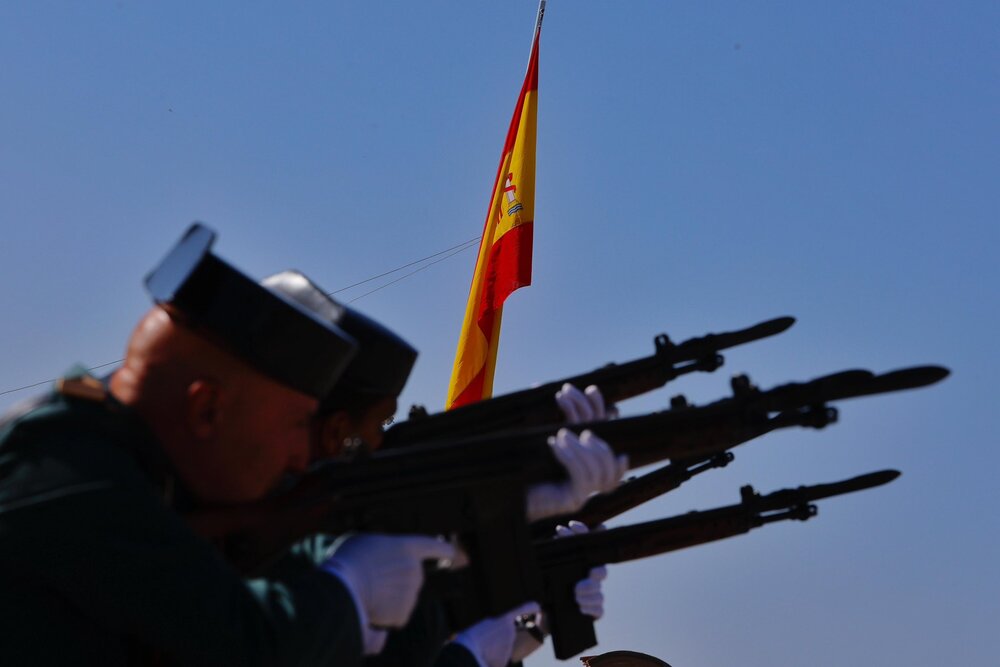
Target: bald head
(164,357)
(231,432)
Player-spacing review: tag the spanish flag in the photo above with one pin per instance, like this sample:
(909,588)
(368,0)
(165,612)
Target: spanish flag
(504,261)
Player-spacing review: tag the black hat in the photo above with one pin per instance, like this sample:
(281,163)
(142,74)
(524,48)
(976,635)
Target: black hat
(285,340)
(384,360)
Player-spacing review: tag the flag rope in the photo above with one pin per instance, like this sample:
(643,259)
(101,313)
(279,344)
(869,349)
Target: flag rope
(454,250)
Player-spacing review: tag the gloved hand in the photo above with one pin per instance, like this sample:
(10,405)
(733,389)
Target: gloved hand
(384,574)
(591,467)
(588,596)
(581,406)
(588,591)
(492,641)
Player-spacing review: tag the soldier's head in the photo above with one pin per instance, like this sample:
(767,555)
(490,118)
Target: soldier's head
(228,374)
(354,412)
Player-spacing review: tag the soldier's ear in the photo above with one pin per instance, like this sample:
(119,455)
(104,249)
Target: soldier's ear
(202,409)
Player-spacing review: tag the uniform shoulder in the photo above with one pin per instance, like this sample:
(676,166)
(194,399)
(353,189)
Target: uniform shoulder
(73,438)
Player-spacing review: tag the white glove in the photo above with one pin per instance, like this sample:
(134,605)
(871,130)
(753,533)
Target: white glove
(384,574)
(492,641)
(588,591)
(591,467)
(523,643)
(581,406)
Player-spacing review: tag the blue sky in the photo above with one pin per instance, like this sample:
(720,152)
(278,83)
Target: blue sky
(701,167)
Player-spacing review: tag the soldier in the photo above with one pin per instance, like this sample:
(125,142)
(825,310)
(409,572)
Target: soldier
(213,405)
(353,413)
(351,418)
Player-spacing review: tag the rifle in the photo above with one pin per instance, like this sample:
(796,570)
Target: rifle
(565,561)
(475,489)
(637,490)
(617,382)
(633,492)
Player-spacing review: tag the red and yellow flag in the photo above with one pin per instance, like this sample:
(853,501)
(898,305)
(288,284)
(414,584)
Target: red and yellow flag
(504,262)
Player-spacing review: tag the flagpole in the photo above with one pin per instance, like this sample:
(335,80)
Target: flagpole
(538,27)
(504,261)
(540,15)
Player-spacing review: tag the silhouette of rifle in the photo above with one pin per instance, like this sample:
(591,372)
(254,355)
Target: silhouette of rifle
(475,489)
(617,382)
(565,561)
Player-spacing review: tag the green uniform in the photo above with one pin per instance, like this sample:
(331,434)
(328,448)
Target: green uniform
(98,568)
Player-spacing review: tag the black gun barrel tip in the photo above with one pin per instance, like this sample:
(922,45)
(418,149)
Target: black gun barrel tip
(885,476)
(940,372)
(776,325)
(871,480)
(919,376)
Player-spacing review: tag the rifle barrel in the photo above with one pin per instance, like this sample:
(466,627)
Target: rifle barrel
(536,406)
